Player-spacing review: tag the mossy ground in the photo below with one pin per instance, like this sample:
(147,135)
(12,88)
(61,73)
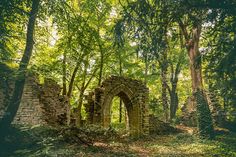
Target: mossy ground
(45,142)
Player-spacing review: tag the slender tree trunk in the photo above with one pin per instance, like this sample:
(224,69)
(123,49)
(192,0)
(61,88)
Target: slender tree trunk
(164,96)
(101,67)
(146,69)
(164,87)
(174,101)
(69,93)
(70,89)
(101,60)
(173,104)
(64,73)
(163,62)
(120,73)
(15,100)
(80,103)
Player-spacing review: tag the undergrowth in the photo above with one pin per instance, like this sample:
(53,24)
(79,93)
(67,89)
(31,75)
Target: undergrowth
(50,142)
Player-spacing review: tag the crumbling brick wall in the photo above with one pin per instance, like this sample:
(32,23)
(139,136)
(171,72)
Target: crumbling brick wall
(40,104)
(53,104)
(30,110)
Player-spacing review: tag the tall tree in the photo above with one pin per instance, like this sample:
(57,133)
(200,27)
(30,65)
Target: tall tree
(192,37)
(14,103)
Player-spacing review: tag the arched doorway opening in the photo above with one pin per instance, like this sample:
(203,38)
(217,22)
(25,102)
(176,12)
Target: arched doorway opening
(119,116)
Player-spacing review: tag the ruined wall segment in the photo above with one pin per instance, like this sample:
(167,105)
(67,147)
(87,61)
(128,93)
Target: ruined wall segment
(41,104)
(30,110)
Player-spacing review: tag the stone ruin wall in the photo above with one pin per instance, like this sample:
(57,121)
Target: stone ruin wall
(40,104)
(30,111)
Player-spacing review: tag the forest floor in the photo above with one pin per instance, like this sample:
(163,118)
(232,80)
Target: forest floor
(47,142)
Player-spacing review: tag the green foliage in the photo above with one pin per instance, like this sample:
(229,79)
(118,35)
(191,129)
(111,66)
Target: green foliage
(13,16)
(221,58)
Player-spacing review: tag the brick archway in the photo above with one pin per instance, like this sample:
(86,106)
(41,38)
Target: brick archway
(133,93)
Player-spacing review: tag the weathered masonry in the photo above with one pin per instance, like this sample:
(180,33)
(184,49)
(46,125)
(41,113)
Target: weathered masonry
(41,104)
(133,93)
(29,111)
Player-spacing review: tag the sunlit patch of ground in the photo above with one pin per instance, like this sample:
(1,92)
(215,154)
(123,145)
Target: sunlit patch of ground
(45,143)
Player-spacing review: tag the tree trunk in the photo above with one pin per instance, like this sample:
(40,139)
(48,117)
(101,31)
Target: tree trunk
(164,98)
(101,61)
(195,61)
(205,124)
(101,68)
(174,101)
(173,104)
(69,93)
(70,89)
(120,73)
(78,115)
(15,100)
(64,74)
(146,69)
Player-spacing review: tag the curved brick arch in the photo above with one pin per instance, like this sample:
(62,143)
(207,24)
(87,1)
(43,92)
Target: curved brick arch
(133,93)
